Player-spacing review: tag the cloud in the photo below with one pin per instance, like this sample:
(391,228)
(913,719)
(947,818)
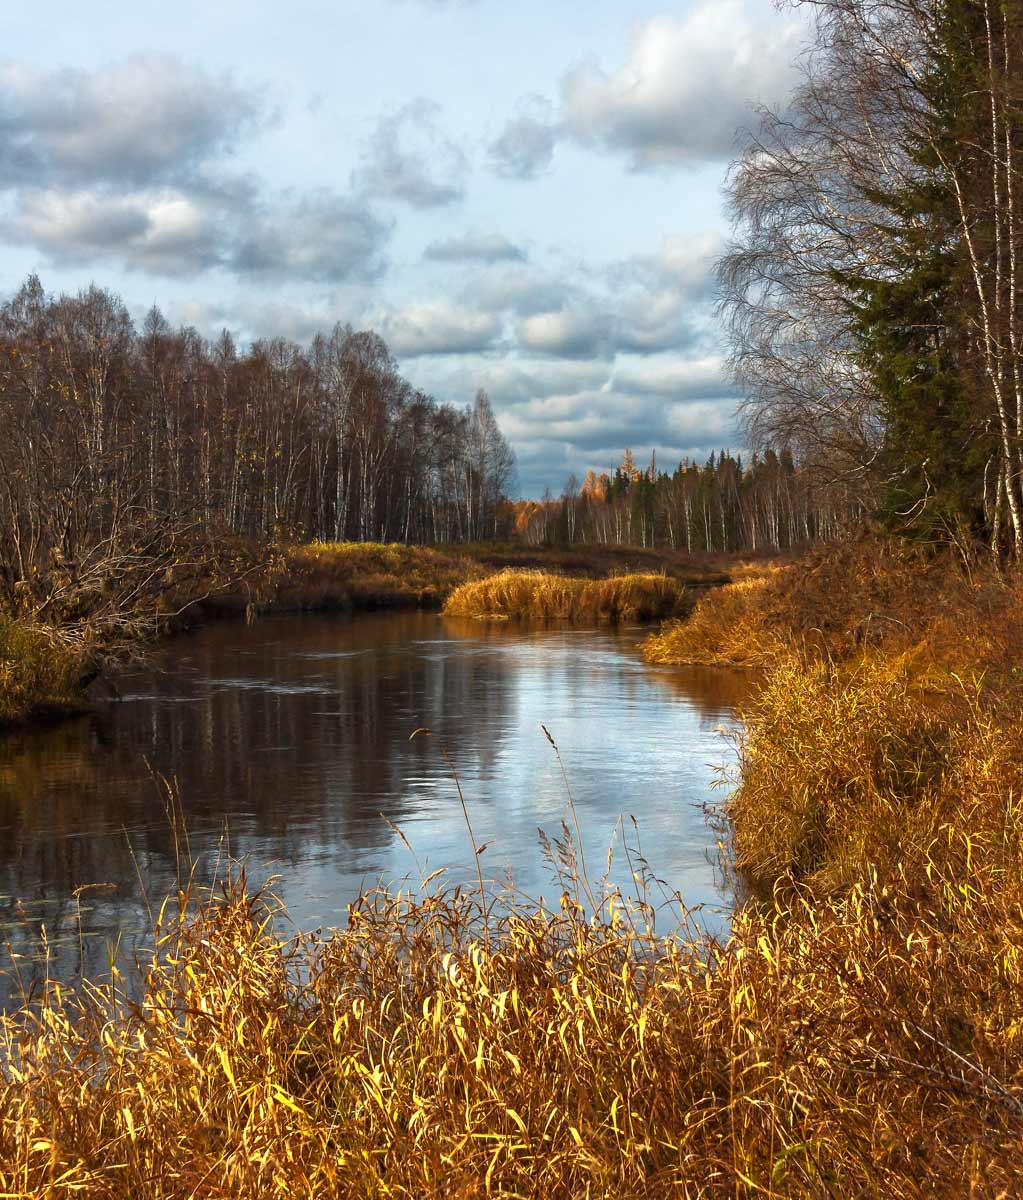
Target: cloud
(641,305)
(687,87)
(146,119)
(525,147)
(163,231)
(438,328)
(408,158)
(569,333)
(523,291)
(701,378)
(685,90)
(319,236)
(475,247)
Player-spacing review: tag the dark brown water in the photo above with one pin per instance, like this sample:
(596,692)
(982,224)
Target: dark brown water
(292,735)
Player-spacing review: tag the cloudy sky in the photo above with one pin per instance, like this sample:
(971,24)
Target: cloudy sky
(523,197)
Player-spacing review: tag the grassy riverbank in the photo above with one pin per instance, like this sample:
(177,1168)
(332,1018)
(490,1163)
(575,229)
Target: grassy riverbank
(39,674)
(44,658)
(860,1033)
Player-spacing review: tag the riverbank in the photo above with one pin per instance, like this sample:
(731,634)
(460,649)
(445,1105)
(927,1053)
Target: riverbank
(859,1033)
(45,663)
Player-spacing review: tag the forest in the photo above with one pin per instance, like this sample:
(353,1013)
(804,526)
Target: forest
(723,507)
(115,438)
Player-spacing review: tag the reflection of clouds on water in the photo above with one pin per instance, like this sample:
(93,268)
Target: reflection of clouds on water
(292,735)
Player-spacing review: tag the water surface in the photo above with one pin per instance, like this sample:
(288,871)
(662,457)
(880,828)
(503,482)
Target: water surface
(287,742)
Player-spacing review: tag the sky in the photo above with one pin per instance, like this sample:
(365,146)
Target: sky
(521,197)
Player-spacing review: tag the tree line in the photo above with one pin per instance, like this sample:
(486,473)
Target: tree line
(112,434)
(873,286)
(723,506)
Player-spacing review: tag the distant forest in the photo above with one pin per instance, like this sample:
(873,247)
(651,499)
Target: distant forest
(722,506)
(113,434)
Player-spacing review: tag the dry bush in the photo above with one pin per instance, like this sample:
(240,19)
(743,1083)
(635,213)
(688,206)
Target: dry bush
(539,595)
(362,575)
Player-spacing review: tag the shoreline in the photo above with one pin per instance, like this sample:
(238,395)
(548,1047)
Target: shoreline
(296,578)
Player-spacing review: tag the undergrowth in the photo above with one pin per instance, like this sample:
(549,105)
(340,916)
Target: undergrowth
(859,1033)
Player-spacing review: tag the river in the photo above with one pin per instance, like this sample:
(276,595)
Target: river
(286,742)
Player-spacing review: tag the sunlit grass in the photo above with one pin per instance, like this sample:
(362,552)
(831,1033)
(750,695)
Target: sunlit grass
(726,628)
(841,1050)
(540,595)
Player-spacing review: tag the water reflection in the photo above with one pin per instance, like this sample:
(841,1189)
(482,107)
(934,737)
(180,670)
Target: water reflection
(287,742)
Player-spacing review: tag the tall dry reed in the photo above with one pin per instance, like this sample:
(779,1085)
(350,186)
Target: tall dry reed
(849,1050)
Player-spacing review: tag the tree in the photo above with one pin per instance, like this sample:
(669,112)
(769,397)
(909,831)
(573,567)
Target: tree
(871,288)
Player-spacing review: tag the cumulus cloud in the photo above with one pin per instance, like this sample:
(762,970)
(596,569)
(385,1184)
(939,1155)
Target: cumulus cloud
(409,158)
(163,231)
(524,149)
(124,165)
(640,305)
(438,328)
(146,119)
(319,236)
(521,290)
(568,333)
(685,90)
(699,378)
(475,247)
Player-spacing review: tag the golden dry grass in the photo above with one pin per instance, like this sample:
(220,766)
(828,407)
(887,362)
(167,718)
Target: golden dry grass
(728,627)
(541,596)
(849,1050)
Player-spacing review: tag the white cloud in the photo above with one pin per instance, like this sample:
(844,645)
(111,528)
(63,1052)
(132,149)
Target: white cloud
(566,334)
(438,328)
(147,118)
(686,88)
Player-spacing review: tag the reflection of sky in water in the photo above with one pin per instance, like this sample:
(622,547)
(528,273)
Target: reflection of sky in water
(292,736)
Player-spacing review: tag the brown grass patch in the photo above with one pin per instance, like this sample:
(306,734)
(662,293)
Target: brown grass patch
(541,596)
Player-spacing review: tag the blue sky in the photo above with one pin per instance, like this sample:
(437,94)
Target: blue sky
(525,198)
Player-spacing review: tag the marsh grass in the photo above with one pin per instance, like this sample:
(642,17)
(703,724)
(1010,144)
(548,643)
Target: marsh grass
(38,672)
(845,1050)
(543,596)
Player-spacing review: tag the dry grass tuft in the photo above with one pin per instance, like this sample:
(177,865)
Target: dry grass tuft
(728,626)
(541,596)
(38,672)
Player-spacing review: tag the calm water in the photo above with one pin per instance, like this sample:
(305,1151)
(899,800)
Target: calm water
(292,735)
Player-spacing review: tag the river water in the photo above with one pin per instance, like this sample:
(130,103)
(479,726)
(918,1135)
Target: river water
(286,742)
